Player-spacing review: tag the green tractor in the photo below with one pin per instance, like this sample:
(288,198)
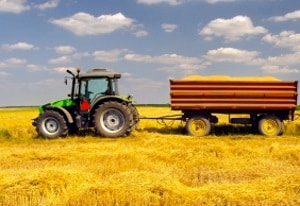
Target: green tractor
(94,102)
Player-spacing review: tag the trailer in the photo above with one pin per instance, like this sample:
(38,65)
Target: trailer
(266,103)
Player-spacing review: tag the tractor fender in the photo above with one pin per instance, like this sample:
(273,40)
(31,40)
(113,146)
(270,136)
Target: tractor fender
(66,113)
(107,98)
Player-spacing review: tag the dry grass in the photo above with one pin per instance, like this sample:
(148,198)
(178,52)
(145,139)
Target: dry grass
(155,165)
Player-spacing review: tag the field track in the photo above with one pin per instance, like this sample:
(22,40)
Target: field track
(156,165)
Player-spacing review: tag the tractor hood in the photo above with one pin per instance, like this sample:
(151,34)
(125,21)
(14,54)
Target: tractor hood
(59,103)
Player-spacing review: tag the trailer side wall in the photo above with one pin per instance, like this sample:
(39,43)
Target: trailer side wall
(233,96)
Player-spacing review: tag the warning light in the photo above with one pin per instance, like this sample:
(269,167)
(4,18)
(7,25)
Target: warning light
(85,105)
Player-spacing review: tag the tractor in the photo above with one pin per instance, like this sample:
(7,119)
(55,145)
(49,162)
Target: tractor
(94,103)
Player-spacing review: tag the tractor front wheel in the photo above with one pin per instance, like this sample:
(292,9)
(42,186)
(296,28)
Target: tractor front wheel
(51,124)
(113,119)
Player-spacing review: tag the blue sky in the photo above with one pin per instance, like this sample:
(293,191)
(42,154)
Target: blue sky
(147,41)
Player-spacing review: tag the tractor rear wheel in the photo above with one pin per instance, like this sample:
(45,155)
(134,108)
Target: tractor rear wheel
(113,119)
(51,124)
(198,126)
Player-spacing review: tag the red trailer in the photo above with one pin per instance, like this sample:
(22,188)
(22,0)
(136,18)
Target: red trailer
(267,103)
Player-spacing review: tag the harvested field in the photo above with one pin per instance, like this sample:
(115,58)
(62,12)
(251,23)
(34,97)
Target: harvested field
(155,165)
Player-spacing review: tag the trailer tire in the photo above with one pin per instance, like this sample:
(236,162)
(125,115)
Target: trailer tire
(51,124)
(113,119)
(270,125)
(198,126)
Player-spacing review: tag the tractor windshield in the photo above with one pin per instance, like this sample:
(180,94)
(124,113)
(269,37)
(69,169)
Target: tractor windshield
(91,88)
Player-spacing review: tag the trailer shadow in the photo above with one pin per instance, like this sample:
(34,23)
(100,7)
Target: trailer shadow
(217,130)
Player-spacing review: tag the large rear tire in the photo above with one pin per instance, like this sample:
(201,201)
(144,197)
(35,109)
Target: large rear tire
(270,125)
(113,119)
(135,115)
(51,124)
(198,126)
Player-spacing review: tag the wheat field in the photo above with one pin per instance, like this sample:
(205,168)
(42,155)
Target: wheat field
(156,165)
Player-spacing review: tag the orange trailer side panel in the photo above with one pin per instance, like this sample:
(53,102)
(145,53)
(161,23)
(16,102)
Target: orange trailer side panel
(233,96)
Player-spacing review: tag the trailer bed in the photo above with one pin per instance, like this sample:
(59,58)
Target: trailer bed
(229,96)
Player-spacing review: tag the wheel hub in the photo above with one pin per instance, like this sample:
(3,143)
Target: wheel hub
(51,125)
(113,121)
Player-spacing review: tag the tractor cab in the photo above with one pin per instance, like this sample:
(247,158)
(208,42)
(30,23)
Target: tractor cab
(97,83)
(89,87)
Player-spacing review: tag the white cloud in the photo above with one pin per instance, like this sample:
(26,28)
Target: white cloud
(170,2)
(18,46)
(85,24)
(169,27)
(64,69)
(60,60)
(109,56)
(172,61)
(64,49)
(274,64)
(218,1)
(231,55)
(79,55)
(162,59)
(284,60)
(277,69)
(12,62)
(140,33)
(4,73)
(13,6)
(231,29)
(126,74)
(286,39)
(47,5)
(295,15)
(33,67)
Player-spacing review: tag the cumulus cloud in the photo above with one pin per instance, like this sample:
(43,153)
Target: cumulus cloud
(231,55)
(272,64)
(64,69)
(169,27)
(13,6)
(170,2)
(82,24)
(171,61)
(12,62)
(18,46)
(64,49)
(2,73)
(34,67)
(231,29)
(272,69)
(286,39)
(60,60)
(284,60)
(295,15)
(47,5)
(218,1)
(109,56)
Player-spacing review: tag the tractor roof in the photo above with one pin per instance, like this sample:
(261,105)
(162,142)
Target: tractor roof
(100,73)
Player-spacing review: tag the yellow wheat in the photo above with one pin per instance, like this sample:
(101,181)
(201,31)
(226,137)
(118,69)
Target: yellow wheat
(155,165)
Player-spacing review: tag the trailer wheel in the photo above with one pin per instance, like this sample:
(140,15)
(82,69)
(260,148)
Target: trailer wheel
(270,125)
(198,126)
